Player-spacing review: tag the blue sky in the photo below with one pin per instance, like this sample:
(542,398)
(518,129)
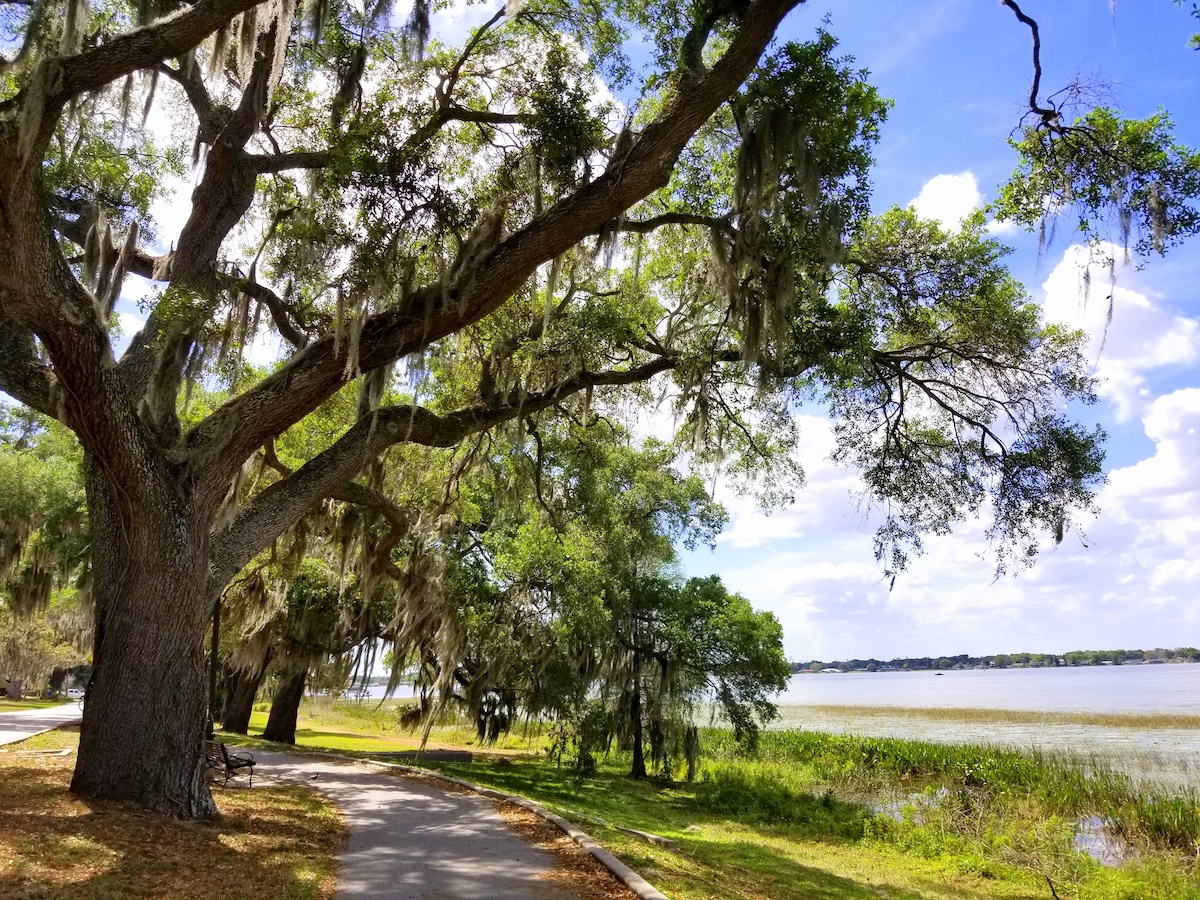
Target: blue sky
(959,71)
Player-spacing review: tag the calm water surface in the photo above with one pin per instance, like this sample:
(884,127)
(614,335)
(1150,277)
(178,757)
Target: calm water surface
(1142,689)
(1164,755)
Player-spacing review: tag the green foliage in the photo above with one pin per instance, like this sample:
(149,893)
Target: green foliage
(44,544)
(579,735)
(1123,179)
(566,131)
(940,400)
(770,795)
(1194,42)
(34,644)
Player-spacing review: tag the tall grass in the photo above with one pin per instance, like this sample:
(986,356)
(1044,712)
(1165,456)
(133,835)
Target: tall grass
(974,784)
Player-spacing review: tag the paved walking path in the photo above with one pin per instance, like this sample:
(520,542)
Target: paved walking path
(412,841)
(22,723)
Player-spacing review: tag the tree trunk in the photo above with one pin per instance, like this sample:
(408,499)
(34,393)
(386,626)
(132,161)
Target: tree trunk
(144,724)
(635,713)
(16,687)
(240,690)
(691,749)
(285,708)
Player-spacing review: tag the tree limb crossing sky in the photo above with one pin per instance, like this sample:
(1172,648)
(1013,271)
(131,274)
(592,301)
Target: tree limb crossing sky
(959,72)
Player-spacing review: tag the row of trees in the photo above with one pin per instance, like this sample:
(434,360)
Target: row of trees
(451,239)
(44,628)
(1005,660)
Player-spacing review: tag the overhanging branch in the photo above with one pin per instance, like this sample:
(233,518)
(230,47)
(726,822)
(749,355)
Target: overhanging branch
(282,504)
(232,433)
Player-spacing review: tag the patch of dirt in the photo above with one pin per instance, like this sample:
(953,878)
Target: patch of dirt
(269,842)
(576,871)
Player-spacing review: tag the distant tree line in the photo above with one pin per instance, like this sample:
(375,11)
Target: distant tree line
(1006,660)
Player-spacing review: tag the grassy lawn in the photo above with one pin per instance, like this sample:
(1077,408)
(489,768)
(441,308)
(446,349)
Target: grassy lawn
(276,842)
(7,705)
(715,858)
(801,819)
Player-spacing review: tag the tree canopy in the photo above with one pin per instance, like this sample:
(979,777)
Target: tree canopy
(449,238)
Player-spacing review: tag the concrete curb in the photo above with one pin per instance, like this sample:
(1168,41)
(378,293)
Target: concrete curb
(627,876)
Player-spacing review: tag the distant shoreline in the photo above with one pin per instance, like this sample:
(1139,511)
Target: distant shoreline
(988,716)
(877,669)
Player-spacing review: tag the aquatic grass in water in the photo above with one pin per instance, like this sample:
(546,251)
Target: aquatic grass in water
(986,716)
(971,778)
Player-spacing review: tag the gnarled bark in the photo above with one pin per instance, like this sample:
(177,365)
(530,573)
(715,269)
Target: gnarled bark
(241,688)
(145,720)
(285,707)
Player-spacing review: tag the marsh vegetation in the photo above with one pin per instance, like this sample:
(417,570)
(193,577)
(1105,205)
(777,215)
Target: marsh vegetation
(810,814)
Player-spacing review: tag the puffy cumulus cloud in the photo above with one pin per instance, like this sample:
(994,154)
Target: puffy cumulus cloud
(948,198)
(1131,578)
(1142,335)
(1160,496)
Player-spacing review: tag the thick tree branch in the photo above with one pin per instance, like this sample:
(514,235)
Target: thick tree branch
(282,162)
(76,230)
(230,435)
(285,322)
(141,48)
(188,77)
(281,505)
(1046,113)
(22,375)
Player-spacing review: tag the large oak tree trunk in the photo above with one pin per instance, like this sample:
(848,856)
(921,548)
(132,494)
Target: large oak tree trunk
(146,715)
(240,690)
(285,708)
(16,688)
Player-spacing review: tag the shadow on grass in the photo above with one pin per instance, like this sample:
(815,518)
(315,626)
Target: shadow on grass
(791,847)
(280,842)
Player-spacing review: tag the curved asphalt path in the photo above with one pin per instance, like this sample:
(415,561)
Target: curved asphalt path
(411,841)
(18,724)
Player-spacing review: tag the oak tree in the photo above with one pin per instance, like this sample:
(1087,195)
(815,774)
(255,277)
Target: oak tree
(463,220)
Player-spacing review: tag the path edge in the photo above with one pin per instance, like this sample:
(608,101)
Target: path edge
(24,737)
(623,873)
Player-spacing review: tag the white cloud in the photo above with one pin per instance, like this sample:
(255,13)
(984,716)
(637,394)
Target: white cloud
(825,504)
(1135,581)
(1142,336)
(948,198)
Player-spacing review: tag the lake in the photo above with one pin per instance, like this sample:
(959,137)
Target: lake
(890,704)
(1168,688)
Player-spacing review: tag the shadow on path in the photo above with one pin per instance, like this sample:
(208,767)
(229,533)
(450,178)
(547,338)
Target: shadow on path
(412,841)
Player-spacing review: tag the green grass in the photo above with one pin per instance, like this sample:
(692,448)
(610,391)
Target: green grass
(812,815)
(7,705)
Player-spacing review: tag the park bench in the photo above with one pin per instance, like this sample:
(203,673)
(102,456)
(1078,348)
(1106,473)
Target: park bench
(224,764)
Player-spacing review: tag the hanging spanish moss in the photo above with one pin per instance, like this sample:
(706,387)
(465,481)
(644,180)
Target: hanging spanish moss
(416,30)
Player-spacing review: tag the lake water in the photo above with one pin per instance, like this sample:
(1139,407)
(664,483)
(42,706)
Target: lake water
(1164,755)
(1140,689)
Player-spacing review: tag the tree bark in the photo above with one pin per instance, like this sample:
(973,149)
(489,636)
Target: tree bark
(16,687)
(240,690)
(635,713)
(285,708)
(144,724)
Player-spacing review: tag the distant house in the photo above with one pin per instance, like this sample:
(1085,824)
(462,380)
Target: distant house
(838,671)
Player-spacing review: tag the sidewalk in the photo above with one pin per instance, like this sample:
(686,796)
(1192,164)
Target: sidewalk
(23,723)
(412,841)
